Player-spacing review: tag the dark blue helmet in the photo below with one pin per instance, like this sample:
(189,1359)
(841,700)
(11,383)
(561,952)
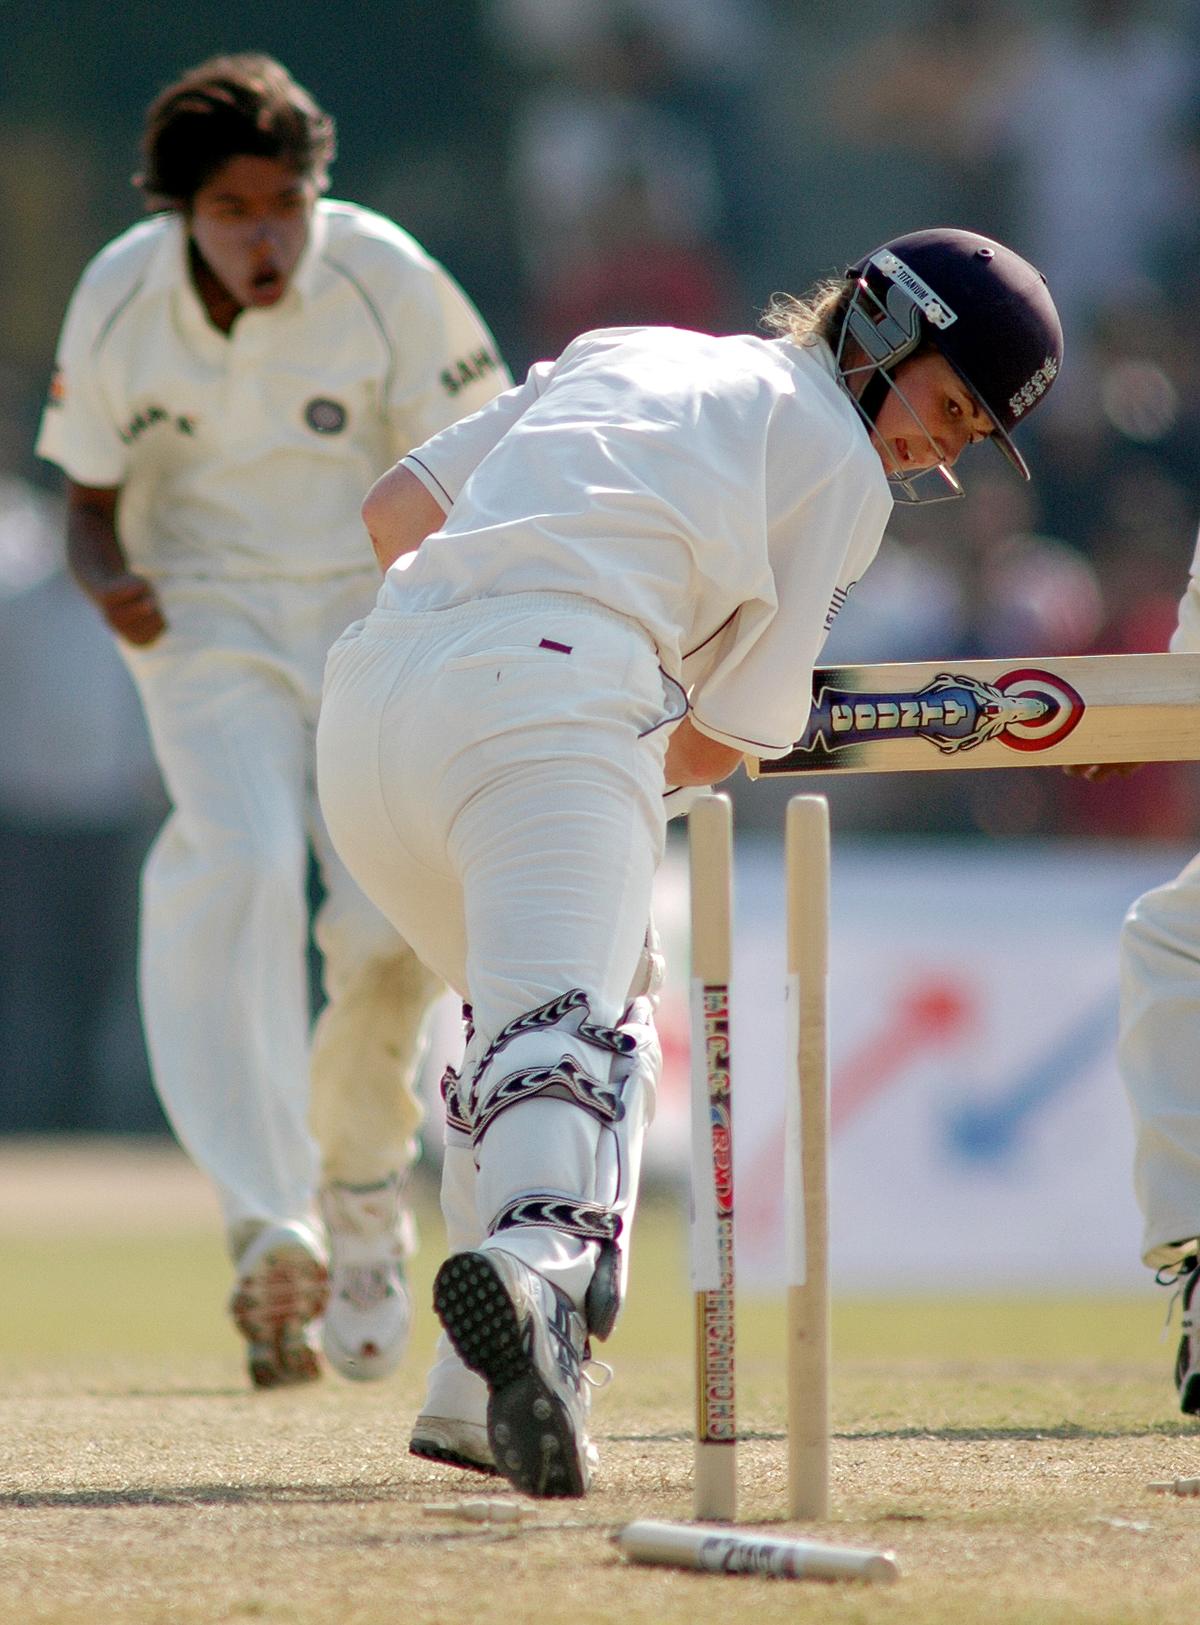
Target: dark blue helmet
(986,309)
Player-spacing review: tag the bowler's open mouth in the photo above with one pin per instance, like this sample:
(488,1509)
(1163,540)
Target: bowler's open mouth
(266,285)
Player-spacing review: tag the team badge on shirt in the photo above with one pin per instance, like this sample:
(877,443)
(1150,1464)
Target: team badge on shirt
(324,416)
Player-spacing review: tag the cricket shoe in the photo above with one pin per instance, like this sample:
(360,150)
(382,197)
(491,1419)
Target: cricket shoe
(281,1289)
(369,1315)
(456,1442)
(453,1441)
(529,1343)
(1187,1361)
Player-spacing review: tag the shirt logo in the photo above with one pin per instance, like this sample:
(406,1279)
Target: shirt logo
(146,418)
(836,603)
(468,369)
(324,416)
(57,393)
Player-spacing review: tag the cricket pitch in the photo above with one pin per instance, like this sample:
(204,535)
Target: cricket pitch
(1002,1449)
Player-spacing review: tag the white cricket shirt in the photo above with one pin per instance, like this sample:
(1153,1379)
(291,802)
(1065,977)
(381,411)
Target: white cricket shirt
(722,492)
(1186,637)
(250,454)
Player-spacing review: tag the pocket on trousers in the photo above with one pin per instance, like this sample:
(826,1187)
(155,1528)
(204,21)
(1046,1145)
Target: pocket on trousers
(501,657)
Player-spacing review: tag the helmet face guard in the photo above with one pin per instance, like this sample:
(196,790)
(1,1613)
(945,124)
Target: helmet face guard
(888,332)
(984,308)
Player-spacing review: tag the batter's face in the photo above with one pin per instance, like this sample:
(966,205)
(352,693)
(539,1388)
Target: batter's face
(249,224)
(927,417)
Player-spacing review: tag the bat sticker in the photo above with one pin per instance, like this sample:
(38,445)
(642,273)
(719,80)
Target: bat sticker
(1025,709)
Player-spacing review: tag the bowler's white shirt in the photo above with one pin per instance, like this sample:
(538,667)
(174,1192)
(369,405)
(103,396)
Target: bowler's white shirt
(249,454)
(721,492)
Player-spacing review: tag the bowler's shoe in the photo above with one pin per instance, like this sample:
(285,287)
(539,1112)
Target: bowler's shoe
(369,1316)
(280,1293)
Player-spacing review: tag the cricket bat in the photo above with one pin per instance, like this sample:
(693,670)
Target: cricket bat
(929,716)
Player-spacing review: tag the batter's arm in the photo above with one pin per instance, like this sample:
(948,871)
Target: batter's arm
(693,758)
(399,513)
(97,560)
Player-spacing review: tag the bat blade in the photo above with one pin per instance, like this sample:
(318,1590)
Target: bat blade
(973,714)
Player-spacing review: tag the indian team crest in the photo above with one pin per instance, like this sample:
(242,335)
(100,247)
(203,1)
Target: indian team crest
(1026,709)
(325,416)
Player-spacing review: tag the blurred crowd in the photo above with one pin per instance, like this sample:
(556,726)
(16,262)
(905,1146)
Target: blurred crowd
(678,161)
(1073,133)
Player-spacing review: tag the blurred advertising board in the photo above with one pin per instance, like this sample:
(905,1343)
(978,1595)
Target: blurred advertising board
(980,1138)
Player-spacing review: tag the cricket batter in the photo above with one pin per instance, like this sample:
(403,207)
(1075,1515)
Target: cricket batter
(1159,1017)
(232,373)
(626,568)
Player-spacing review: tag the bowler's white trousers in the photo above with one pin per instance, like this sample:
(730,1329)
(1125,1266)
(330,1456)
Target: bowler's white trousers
(1159,1054)
(231,693)
(492,775)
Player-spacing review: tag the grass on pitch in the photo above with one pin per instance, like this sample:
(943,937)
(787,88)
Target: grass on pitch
(1001,1448)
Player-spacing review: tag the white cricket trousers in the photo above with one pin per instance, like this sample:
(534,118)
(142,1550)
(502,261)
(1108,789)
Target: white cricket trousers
(492,775)
(231,693)
(1159,1052)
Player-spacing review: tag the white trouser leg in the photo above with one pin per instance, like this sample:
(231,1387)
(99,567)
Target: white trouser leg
(560,861)
(369,1038)
(224,924)
(453,1390)
(231,694)
(1160,1061)
(525,789)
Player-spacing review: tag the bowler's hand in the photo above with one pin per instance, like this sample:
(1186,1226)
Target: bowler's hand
(127,601)
(130,605)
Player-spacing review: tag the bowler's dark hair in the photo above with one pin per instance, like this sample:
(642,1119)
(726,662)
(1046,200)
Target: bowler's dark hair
(230,107)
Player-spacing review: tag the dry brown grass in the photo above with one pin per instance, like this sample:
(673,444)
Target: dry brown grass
(142,1482)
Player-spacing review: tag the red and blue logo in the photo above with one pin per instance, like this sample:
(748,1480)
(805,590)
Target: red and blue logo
(1026,709)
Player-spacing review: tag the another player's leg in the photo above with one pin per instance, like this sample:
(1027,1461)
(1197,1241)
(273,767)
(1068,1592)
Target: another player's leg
(223,986)
(1160,1020)
(1185,1278)
(367,1048)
